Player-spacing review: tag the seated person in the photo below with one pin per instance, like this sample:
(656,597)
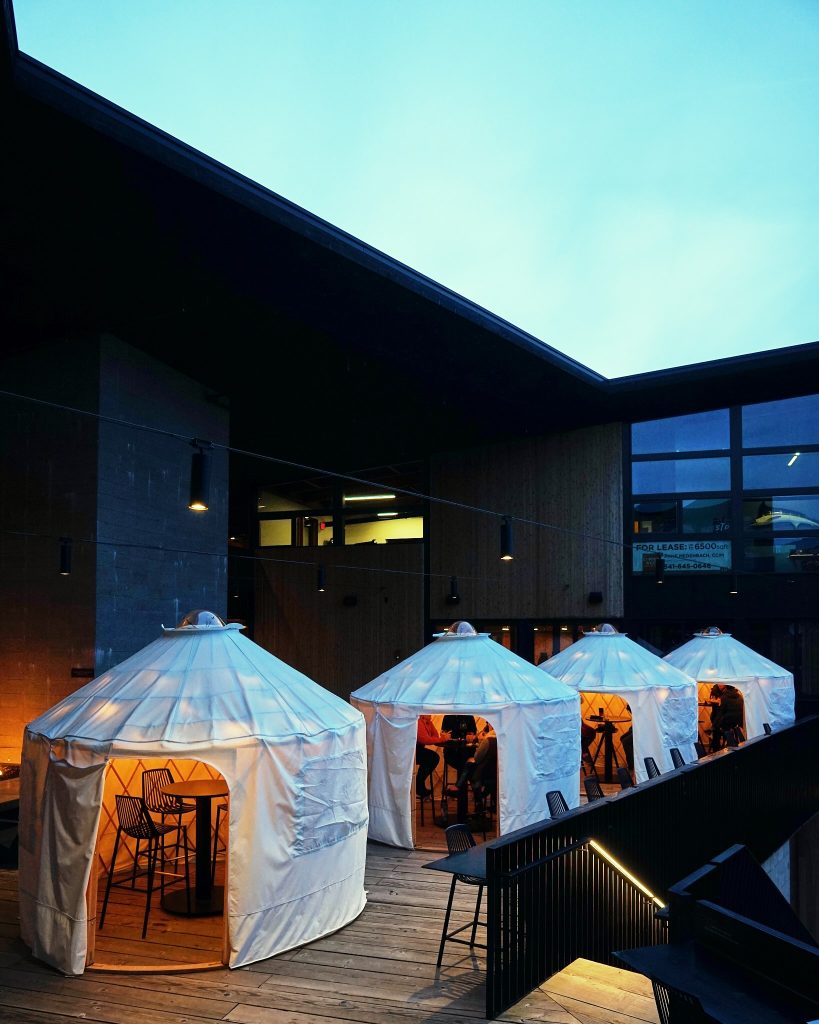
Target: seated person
(587,737)
(426,759)
(480,770)
(459,727)
(729,714)
(627,741)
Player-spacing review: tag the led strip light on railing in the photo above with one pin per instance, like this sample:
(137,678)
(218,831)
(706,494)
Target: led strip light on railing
(623,871)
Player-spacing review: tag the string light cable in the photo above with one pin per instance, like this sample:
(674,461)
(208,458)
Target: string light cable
(319,471)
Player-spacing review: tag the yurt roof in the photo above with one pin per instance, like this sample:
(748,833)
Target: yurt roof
(201,682)
(465,669)
(714,656)
(606,661)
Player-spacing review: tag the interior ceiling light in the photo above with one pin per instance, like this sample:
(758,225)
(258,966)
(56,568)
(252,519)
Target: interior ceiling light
(793,458)
(368,497)
(386,515)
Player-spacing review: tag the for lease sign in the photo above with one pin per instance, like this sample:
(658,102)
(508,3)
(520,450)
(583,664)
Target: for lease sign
(682,555)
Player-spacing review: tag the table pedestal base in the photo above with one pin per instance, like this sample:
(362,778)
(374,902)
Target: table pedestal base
(177,903)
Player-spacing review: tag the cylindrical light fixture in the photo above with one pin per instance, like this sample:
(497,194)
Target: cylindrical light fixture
(65,556)
(453,597)
(506,541)
(321,580)
(200,477)
(659,569)
(734,590)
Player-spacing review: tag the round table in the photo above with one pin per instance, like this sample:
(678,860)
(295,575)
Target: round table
(205,898)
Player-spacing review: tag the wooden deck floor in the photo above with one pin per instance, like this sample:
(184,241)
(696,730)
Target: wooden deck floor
(379,969)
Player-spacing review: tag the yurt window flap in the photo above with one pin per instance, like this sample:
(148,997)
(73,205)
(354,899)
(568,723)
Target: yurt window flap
(330,803)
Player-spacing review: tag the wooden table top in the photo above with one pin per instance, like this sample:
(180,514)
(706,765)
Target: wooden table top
(197,787)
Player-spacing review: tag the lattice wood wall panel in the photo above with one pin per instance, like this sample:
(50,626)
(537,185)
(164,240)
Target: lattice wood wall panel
(124,775)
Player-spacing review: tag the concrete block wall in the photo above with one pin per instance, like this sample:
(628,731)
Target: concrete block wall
(156,560)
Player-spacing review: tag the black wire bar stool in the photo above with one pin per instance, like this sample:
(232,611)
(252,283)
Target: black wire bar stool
(458,839)
(134,820)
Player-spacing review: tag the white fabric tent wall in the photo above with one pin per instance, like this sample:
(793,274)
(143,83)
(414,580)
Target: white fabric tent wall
(537,728)
(293,756)
(767,689)
(663,699)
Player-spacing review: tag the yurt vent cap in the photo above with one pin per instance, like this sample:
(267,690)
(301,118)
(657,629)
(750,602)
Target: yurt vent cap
(712,631)
(460,629)
(201,619)
(605,630)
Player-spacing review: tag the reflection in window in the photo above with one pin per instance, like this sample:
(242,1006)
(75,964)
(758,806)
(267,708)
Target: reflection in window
(792,421)
(782,554)
(781,512)
(790,469)
(706,515)
(680,475)
(655,517)
(700,432)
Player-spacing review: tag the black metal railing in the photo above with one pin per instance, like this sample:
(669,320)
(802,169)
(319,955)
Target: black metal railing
(552,898)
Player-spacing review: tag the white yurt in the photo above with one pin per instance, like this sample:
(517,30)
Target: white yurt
(767,689)
(536,720)
(606,664)
(292,754)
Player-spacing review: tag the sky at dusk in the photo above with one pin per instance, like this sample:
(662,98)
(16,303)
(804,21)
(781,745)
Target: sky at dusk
(634,183)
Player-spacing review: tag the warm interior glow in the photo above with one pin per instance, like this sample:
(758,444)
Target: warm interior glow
(198,506)
(506,558)
(626,874)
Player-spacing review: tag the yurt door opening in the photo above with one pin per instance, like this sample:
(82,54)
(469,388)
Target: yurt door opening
(156,890)
(607,737)
(722,716)
(456,776)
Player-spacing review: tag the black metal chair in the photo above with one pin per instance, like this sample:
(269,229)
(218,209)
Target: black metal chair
(733,736)
(135,822)
(676,757)
(221,809)
(699,746)
(766,726)
(557,803)
(624,776)
(458,839)
(594,791)
(159,803)
(652,770)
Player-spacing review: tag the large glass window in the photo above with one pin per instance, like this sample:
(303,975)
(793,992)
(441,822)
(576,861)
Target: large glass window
(789,469)
(699,432)
(675,476)
(312,511)
(791,421)
(686,515)
(684,507)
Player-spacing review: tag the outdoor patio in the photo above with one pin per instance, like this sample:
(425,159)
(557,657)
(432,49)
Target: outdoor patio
(378,969)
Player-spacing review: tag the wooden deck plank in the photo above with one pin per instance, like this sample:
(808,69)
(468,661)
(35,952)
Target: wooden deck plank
(379,969)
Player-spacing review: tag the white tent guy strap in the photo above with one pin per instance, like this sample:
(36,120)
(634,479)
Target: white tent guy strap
(293,756)
(767,689)
(663,699)
(536,720)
